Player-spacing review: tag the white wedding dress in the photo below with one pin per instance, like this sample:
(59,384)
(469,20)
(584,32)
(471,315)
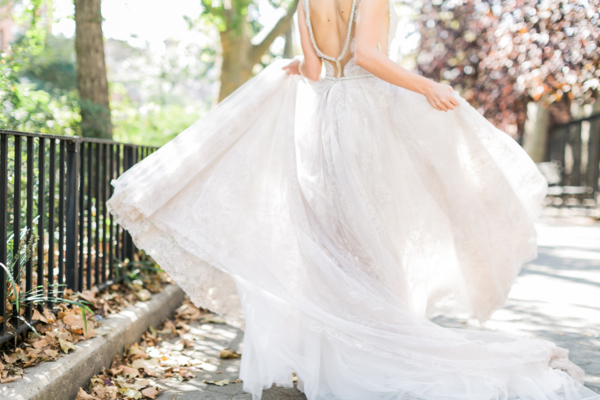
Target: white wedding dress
(331,219)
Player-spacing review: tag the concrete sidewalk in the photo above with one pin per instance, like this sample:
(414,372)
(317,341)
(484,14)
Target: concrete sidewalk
(556,297)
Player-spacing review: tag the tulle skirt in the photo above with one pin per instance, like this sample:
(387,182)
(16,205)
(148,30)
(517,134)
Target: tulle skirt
(330,220)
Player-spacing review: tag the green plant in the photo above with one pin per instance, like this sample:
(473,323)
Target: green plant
(17,298)
(23,107)
(133,271)
(156,125)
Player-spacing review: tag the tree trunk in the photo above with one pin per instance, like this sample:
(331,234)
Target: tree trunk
(239,55)
(91,70)
(596,105)
(288,50)
(535,140)
(236,66)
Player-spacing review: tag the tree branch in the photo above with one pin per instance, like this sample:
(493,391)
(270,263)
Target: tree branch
(258,50)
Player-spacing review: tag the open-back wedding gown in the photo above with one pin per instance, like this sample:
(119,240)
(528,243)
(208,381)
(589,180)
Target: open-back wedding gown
(330,219)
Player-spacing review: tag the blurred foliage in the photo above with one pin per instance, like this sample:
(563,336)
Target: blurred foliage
(152,124)
(503,54)
(243,39)
(24,106)
(54,67)
(233,15)
(176,74)
(226,15)
(29,110)
(155,95)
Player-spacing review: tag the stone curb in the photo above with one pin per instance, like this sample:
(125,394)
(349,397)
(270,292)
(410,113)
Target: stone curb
(60,380)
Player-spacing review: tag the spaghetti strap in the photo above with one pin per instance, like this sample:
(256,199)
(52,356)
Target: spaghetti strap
(336,60)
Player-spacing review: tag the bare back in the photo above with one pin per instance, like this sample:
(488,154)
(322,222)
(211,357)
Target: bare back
(333,28)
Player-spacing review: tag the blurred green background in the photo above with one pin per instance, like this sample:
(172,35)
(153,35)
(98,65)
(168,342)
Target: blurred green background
(525,65)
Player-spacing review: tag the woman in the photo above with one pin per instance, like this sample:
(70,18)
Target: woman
(330,217)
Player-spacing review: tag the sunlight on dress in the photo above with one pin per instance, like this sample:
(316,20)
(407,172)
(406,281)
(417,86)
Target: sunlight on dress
(332,219)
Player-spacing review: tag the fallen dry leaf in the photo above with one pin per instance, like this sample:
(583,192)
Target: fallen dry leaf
(11,379)
(37,316)
(82,395)
(51,339)
(151,373)
(130,393)
(228,353)
(150,363)
(218,383)
(66,346)
(90,333)
(215,319)
(40,344)
(51,353)
(134,352)
(138,384)
(169,328)
(185,374)
(33,356)
(143,294)
(75,323)
(106,392)
(150,392)
(50,317)
(88,295)
(153,332)
(131,371)
(182,327)
(188,312)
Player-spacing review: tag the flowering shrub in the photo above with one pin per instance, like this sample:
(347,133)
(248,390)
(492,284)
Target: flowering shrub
(503,54)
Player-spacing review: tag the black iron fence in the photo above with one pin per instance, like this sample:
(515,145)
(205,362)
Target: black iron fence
(574,150)
(53,190)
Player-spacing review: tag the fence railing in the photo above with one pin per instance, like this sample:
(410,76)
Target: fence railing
(574,147)
(56,187)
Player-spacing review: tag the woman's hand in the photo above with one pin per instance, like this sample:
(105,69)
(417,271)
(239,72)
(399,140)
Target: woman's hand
(293,68)
(370,16)
(440,97)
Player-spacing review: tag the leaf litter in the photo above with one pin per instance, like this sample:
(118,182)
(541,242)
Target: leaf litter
(60,329)
(134,374)
(57,335)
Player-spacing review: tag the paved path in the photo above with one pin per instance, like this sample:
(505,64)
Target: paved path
(557,297)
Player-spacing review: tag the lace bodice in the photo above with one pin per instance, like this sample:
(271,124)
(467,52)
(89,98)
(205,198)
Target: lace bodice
(350,70)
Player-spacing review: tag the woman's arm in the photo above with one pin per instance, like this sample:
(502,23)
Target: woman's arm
(367,56)
(310,66)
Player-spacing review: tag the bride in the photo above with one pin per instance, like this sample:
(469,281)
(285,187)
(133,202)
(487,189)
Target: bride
(331,216)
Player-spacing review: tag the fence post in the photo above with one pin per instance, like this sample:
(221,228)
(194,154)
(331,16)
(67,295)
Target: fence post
(594,157)
(3,226)
(130,160)
(72,216)
(41,207)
